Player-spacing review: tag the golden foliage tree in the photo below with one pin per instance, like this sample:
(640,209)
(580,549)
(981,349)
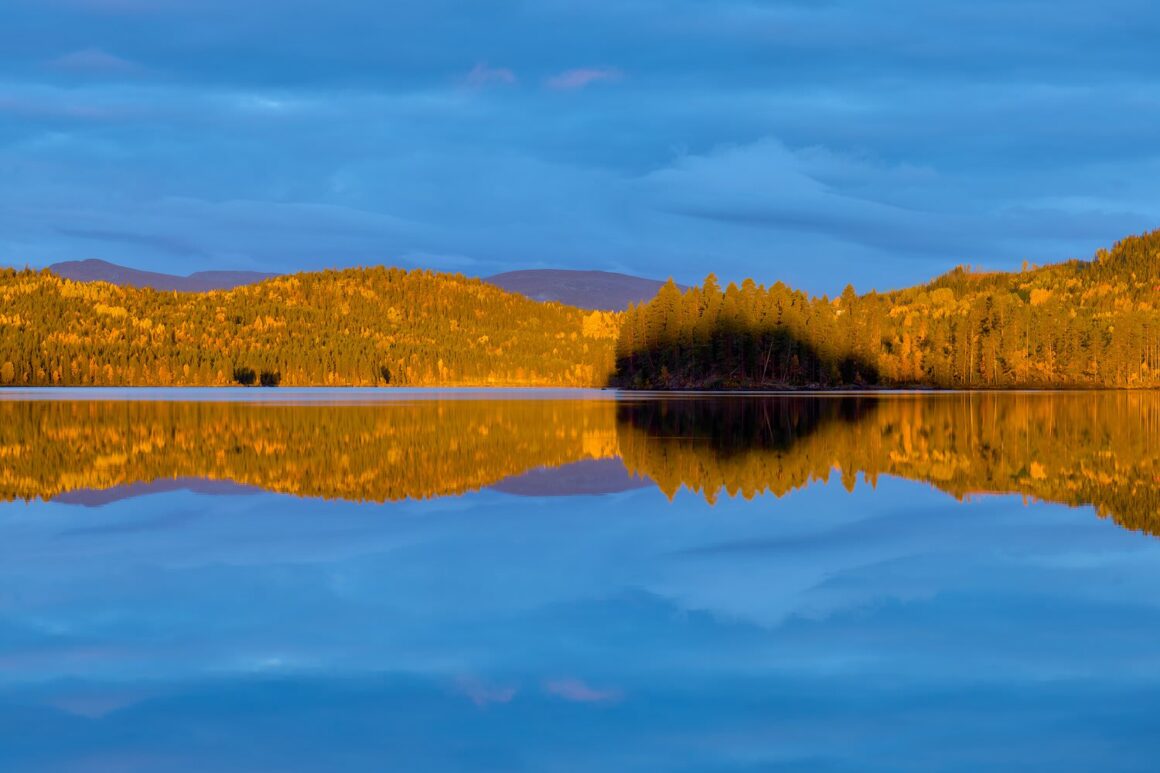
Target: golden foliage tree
(359,327)
(1076,324)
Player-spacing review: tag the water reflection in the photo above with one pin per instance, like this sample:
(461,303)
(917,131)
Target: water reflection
(402,450)
(1077,448)
(891,628)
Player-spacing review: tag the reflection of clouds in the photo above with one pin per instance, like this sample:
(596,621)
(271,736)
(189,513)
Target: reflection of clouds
(478,579)
(731,628)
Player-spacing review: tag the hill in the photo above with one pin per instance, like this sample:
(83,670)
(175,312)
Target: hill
(359,327)
(200,281)
(1076,324)
(591,290)
(604,290)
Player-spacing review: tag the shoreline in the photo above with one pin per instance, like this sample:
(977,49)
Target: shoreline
(367,394)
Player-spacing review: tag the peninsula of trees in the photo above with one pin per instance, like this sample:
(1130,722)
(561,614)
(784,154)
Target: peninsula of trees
(1076,324)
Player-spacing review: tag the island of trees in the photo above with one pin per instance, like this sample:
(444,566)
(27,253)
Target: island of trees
(1076,324)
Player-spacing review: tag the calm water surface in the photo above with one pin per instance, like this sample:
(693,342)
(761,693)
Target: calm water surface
(325,580)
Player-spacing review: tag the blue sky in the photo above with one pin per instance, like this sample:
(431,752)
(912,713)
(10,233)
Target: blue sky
(812,142)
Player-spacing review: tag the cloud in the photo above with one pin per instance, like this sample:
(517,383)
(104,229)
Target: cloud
(482,694)
(902,210)
(835,142)
(95,703)
(576,691)
(160,244)
(94,60)
(124,6)
(570,80)
(482,76)
(766,185)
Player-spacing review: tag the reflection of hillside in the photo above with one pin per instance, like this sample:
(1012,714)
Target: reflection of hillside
(734,443)
(357,452)
(1101,449)
(1075,448)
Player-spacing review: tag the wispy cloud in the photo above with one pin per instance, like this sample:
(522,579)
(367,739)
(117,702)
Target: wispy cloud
(482,694)
(579,692)
(879,161)
(123,6)
(579,78)
(94,60)
(483,75)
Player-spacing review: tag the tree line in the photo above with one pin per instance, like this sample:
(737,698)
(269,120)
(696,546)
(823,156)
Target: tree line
(359,327)
(1077,324)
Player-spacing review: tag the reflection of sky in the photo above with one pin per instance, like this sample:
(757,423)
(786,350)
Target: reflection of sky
(892,629)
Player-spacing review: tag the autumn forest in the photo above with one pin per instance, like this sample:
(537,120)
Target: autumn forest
(1077,324)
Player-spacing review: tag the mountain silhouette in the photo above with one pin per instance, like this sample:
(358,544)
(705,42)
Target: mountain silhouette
(103,271)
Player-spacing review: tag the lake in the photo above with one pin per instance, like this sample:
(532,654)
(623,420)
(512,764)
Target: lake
(293,580)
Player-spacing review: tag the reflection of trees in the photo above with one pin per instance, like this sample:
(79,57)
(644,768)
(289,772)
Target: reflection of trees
(356,452)
(734,443)
(1074,448)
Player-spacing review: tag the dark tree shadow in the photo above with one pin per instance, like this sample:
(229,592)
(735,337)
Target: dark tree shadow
(739,424)
(739,443)
(731,356)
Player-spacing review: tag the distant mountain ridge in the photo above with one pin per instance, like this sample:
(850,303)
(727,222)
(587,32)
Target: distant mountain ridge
(93,270)
(603,290)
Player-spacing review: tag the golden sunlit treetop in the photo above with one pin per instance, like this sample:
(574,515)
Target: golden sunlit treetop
(359,327)
(1076,324)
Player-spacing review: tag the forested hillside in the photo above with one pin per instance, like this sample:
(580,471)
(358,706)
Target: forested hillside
(1077,324)
(356,327)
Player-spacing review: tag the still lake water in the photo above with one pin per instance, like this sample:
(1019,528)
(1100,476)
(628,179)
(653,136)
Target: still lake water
(197,580)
